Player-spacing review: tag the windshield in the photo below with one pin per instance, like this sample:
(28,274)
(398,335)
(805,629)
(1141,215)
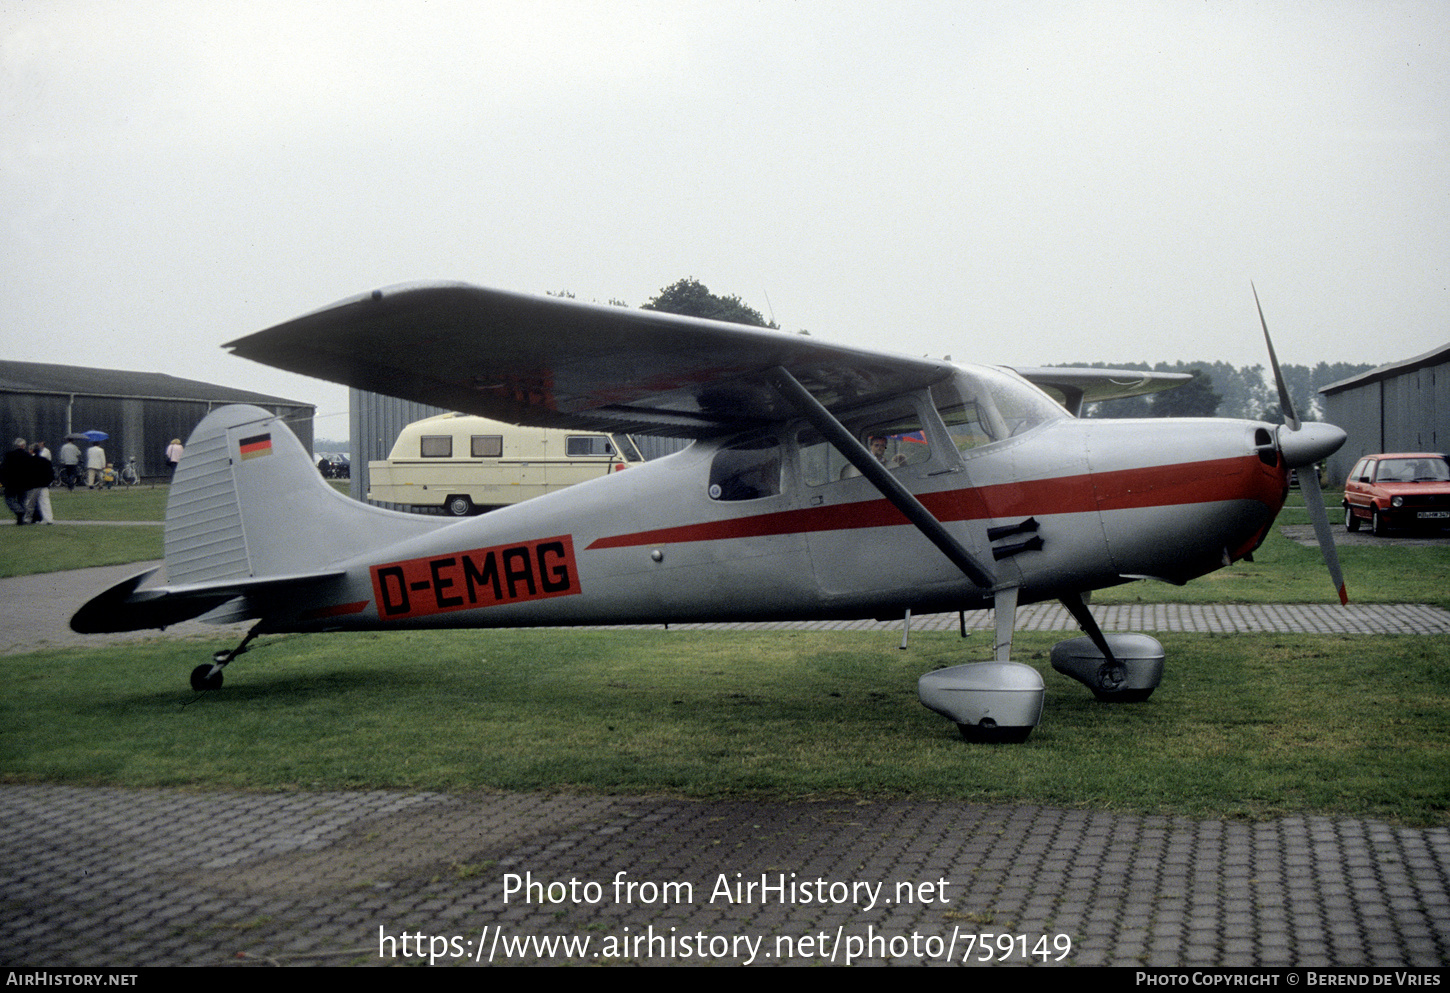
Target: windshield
(981,406)
(1426,470)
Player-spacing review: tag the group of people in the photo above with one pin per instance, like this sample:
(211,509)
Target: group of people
(95,471)
(26,474)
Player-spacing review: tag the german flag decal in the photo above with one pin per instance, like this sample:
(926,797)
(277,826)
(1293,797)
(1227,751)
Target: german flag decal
(256,446)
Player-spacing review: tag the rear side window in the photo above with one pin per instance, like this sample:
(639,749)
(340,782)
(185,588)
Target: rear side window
(436,446)
(748,470)
(486,446)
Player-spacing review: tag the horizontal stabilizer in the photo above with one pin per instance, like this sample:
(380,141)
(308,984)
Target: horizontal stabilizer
(127,607)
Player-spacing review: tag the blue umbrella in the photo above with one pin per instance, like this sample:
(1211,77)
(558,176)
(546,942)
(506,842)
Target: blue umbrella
(95,435)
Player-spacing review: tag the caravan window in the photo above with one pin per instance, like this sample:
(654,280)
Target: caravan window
(486,446)
(576,446)
(436,446)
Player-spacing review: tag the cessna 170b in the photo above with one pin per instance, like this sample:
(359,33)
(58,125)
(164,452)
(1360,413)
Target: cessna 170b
(824,482)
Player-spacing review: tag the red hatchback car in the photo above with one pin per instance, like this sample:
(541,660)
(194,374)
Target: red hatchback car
(1398,490)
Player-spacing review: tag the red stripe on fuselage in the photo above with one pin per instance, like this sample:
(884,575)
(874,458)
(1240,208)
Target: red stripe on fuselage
(337,610)
(1241,478)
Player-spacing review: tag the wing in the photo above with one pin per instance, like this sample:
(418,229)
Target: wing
(553,362)
(1074,386)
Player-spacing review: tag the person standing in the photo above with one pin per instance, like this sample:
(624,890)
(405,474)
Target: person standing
(95,464)
(174,452)
(15,477)
(37,500)
(70,463)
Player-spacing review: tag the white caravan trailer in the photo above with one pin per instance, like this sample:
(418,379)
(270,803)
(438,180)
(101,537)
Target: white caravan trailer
(466,465)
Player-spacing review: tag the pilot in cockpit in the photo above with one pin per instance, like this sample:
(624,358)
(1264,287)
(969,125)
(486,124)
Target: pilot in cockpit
(877,443)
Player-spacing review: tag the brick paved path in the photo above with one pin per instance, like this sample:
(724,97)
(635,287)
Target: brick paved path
(157,877)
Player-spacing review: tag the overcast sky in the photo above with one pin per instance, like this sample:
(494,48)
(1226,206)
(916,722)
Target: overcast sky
(1004,182)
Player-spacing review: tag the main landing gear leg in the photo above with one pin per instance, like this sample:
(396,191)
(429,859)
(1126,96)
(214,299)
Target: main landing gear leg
(1117,668)
(1004,613)
(1111,675)
(209,675)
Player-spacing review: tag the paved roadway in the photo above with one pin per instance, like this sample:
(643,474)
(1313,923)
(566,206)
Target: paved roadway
(168,877)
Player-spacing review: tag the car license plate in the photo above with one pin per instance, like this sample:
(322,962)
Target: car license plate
(1433,515)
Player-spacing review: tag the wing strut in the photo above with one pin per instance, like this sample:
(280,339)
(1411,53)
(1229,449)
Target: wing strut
(860,456)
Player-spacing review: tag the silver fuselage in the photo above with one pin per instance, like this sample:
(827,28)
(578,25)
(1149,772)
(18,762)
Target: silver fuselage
(1106,501)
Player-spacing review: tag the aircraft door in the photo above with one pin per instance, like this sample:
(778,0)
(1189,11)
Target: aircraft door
(860,544)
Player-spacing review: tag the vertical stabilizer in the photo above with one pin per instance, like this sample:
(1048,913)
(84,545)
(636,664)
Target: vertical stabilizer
(246,501)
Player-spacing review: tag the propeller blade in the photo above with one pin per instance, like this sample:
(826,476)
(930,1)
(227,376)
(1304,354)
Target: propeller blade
(1314,500)
(1303,453)
(1286,404)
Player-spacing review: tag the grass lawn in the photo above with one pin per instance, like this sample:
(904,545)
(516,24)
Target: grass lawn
(32,549)
(1244,726)
(122,503)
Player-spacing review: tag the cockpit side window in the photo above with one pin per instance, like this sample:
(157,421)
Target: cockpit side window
(746,470)
(900,441)
(896,439)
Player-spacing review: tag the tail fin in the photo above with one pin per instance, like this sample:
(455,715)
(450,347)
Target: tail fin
(246,501)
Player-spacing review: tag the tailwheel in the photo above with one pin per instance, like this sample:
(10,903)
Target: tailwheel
(207,676)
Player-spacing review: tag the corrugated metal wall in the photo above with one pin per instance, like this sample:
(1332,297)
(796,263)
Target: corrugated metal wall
(1390,410)
(34,417)
(657,448)
(139,427)
(1358,413)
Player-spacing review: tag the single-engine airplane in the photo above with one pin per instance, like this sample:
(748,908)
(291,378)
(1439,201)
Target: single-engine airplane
(824,482)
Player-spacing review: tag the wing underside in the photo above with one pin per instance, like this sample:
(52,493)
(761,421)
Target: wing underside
(554,362)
